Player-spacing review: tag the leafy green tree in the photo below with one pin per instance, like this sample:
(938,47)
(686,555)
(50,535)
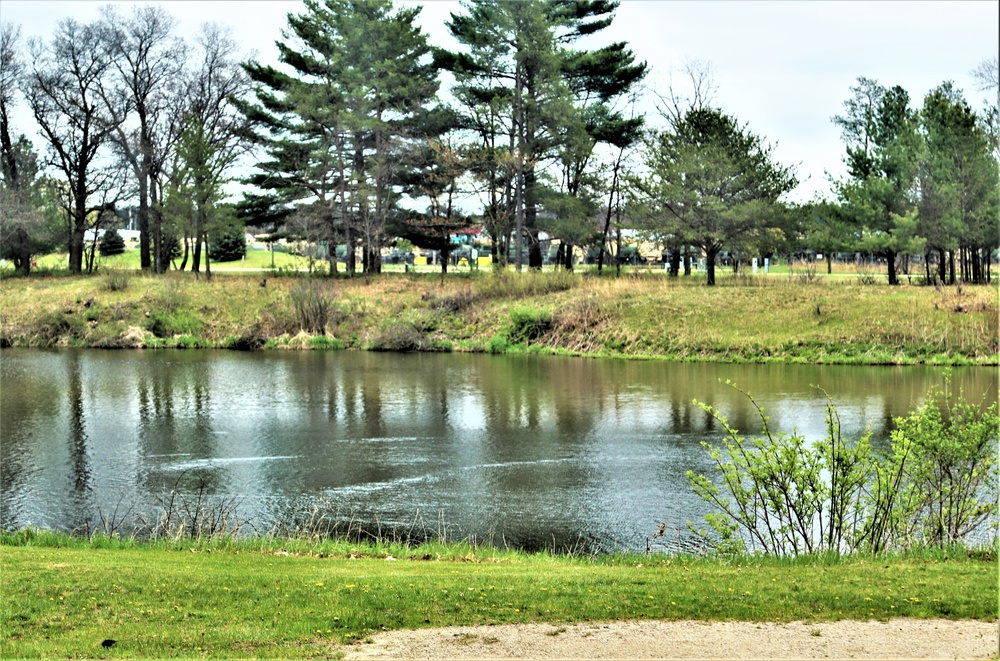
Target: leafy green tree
(884,150)
(713,181)
(195,189)
(598,79)
(32,221)
(28,205)
(211,139)
(437,167)
(622,134)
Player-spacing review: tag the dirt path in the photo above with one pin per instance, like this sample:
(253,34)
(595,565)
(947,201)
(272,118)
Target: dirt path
(895,639)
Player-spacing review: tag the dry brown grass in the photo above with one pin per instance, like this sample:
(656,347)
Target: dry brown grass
(777,318)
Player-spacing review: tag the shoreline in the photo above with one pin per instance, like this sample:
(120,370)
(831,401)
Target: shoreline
(629,318)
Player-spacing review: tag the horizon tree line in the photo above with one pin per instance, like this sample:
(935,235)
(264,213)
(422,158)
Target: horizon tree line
(350,144)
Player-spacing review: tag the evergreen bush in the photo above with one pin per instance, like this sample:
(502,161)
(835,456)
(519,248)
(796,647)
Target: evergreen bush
(111,243)
(228,247)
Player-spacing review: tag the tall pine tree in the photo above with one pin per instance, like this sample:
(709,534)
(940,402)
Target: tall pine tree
(351,97)
(530,99)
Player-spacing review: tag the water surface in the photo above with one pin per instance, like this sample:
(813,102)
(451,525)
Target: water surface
(528,451)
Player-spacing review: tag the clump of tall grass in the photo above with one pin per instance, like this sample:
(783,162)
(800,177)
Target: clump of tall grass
(399,336)
(312,303)
(527,325)
(452,303)
(117,278)
(519,285)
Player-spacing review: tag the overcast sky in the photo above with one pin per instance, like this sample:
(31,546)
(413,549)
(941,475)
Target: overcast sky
(785,68)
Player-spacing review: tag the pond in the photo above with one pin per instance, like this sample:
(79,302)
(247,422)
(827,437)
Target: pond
(524,451)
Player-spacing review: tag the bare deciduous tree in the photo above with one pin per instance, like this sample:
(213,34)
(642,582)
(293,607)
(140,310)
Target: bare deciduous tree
(146,71)
(675,104)
(11,70)
(212,132)
(63,91)
(987,76)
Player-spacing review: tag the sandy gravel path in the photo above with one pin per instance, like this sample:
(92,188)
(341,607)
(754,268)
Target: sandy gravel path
(894,639)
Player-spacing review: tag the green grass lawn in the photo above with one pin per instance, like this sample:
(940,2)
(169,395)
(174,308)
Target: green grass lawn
(294,600)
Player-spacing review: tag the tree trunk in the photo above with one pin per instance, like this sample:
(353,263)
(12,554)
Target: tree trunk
(22,254)
(674,263)
(534,250)
(76,232)
(687,261)
(607,218)
(196,255)
(208,265)
(890,256)
(568,257)
(144,262)
(829,263)
(160,258)
(710,253)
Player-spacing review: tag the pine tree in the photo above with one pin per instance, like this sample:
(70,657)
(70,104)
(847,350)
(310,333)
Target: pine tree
(528,98)
(958,186)
(882,154)
(350,100)
(112,243)
(715,182)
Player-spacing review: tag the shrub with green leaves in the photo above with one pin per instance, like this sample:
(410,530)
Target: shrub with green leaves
(779,495)
(947,452)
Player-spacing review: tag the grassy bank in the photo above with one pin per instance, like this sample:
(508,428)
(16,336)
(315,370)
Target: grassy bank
(62,597)
(757,319)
